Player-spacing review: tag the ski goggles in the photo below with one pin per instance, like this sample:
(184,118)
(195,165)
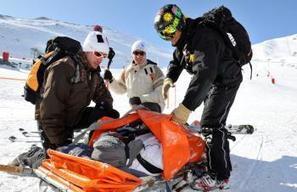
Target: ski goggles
(167,33)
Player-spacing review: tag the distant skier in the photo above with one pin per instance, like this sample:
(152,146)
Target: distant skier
(216,78)
(142,80)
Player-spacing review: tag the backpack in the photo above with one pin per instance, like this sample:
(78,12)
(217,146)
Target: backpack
(233,33)
(56,49)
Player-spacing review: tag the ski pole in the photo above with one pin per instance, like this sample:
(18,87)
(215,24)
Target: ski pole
(110,56)
(174,87)
(168,103)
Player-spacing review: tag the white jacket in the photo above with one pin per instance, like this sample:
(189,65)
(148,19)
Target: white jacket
(152,153)
(143,81)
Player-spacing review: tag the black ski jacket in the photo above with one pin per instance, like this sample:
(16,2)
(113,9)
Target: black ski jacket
(203,53)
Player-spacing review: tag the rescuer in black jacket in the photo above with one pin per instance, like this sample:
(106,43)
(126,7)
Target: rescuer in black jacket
(216,78)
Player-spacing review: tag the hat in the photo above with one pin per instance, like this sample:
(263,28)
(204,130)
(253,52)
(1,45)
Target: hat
(138,45)
(109,149)
(96,41)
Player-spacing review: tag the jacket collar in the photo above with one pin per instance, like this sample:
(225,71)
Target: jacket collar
(187,33)
(137,66)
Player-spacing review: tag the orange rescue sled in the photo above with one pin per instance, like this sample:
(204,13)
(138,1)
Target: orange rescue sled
(180,147)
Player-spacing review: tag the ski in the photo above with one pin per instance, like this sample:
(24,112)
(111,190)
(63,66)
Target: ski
(232,129)
(14,139)
(240,129)
(24,132)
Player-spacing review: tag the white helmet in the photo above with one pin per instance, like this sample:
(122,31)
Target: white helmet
(138,45)
(96,41)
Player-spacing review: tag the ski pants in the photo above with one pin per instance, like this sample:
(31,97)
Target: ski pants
(89,116)
(215,112)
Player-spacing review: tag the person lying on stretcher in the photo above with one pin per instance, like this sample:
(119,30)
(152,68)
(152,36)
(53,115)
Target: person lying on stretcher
(139,155)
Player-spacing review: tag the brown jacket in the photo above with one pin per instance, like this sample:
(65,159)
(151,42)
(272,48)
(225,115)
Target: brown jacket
(67,91)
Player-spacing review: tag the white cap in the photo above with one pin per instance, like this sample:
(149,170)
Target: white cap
(138,45)
(96,41)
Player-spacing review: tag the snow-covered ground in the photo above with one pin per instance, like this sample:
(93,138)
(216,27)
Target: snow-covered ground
(264,161)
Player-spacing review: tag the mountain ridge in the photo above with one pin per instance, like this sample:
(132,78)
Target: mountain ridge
(20,36)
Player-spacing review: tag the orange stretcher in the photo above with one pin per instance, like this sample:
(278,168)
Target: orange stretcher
(180,147)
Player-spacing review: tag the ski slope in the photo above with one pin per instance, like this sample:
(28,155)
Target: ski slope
(264,161)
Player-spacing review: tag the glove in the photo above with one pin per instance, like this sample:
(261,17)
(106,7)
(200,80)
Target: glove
(107,76)
(32,158)
(134,101)
(165,88)
(181,114)
(111,53)
(103,106)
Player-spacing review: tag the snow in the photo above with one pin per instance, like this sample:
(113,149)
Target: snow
(264,161)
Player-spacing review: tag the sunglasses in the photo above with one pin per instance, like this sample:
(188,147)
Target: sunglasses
(141,53)
(100,54)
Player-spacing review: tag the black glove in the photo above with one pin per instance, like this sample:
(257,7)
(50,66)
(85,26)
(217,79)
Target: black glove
(134,101)
(104,106)
(206,131)
(111,53)
(107,76)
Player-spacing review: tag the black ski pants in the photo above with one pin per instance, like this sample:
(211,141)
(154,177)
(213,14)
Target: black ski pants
(216,109)
(89,116)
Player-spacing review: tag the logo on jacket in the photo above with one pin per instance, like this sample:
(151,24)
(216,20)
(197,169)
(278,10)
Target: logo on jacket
(194,58)
(150,72)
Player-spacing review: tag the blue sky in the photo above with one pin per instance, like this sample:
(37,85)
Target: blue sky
(264,19)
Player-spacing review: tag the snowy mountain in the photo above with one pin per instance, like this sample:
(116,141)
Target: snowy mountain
(275,58)
(279,48)
(20,36)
